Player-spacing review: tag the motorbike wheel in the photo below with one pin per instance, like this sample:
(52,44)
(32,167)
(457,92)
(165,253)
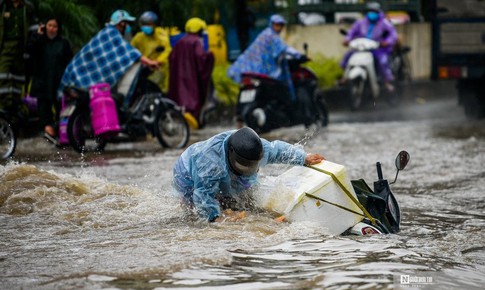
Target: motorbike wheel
(8,139)
(322,108)
(357,88)
(171,128)
(401,67)
(80,134)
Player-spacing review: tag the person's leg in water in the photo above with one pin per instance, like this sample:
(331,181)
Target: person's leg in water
(382,60)
(343,64)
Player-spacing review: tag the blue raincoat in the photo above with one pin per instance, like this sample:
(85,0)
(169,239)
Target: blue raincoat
(266,55)
(104,59)
(202,176)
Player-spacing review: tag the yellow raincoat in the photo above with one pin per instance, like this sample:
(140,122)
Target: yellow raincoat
(151,47)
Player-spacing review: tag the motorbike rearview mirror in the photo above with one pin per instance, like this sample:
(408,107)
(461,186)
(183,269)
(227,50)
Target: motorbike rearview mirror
(402,160)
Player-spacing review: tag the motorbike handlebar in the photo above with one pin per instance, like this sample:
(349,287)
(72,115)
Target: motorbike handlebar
(379,171)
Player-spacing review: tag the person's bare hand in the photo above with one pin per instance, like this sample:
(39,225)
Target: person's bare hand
(313,158)
(231,216)
(41,29)
(154,65)
(384,44)
(280,219)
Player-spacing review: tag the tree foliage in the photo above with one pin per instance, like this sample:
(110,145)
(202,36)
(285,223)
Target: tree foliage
(81,19)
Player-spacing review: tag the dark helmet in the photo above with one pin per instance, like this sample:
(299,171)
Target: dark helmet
(244,151)
(148,17)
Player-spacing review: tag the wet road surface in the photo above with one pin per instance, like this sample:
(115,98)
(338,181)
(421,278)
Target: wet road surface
(98,221)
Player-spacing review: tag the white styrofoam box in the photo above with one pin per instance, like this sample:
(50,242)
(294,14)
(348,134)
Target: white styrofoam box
(287,197)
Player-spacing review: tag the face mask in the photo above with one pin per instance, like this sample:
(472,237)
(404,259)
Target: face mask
(148,30)
(372,16)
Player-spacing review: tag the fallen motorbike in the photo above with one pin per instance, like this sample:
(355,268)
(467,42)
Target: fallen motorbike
(380,203)
(360,74)
(265,103)
(323,194)
(141,109)
(368,211)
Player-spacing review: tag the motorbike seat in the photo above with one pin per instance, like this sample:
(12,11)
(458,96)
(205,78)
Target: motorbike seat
(126,85)
(248,76)
(75,90)
(255,75)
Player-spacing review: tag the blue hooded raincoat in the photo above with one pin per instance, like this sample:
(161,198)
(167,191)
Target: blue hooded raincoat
(202,175)
(105,58)
(266,55)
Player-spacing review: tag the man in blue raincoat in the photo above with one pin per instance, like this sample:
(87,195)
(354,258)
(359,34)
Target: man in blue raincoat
(105,58)
(211,175)
(266,55)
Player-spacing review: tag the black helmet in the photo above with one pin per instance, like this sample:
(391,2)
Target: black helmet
(244,151)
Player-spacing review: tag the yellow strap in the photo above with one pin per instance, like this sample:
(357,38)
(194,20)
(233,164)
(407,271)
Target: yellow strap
(334,204)
(347,192)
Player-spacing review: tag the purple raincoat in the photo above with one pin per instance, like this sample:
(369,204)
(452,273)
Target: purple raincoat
(382,30)
(190,73)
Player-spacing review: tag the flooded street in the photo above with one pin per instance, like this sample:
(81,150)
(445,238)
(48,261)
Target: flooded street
(109,221)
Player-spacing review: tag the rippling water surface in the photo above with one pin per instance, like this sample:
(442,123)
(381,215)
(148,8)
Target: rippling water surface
(109,221)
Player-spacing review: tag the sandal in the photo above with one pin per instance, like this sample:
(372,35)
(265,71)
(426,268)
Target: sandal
(50,135)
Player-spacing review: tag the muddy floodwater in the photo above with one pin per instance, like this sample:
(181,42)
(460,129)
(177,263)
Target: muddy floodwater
(109,221)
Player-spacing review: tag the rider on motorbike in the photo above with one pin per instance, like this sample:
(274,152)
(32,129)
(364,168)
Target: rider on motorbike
(376,27)
(105,58)
(267,55)
(153,42)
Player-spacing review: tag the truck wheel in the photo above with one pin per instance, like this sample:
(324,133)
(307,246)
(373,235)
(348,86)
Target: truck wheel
(470,100)
(474,109)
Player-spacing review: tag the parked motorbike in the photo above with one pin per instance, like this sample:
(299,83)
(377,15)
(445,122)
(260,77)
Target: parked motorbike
(14,125)
(8,138)
(141,109)
(380,203)
(265,103)
(361,75)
